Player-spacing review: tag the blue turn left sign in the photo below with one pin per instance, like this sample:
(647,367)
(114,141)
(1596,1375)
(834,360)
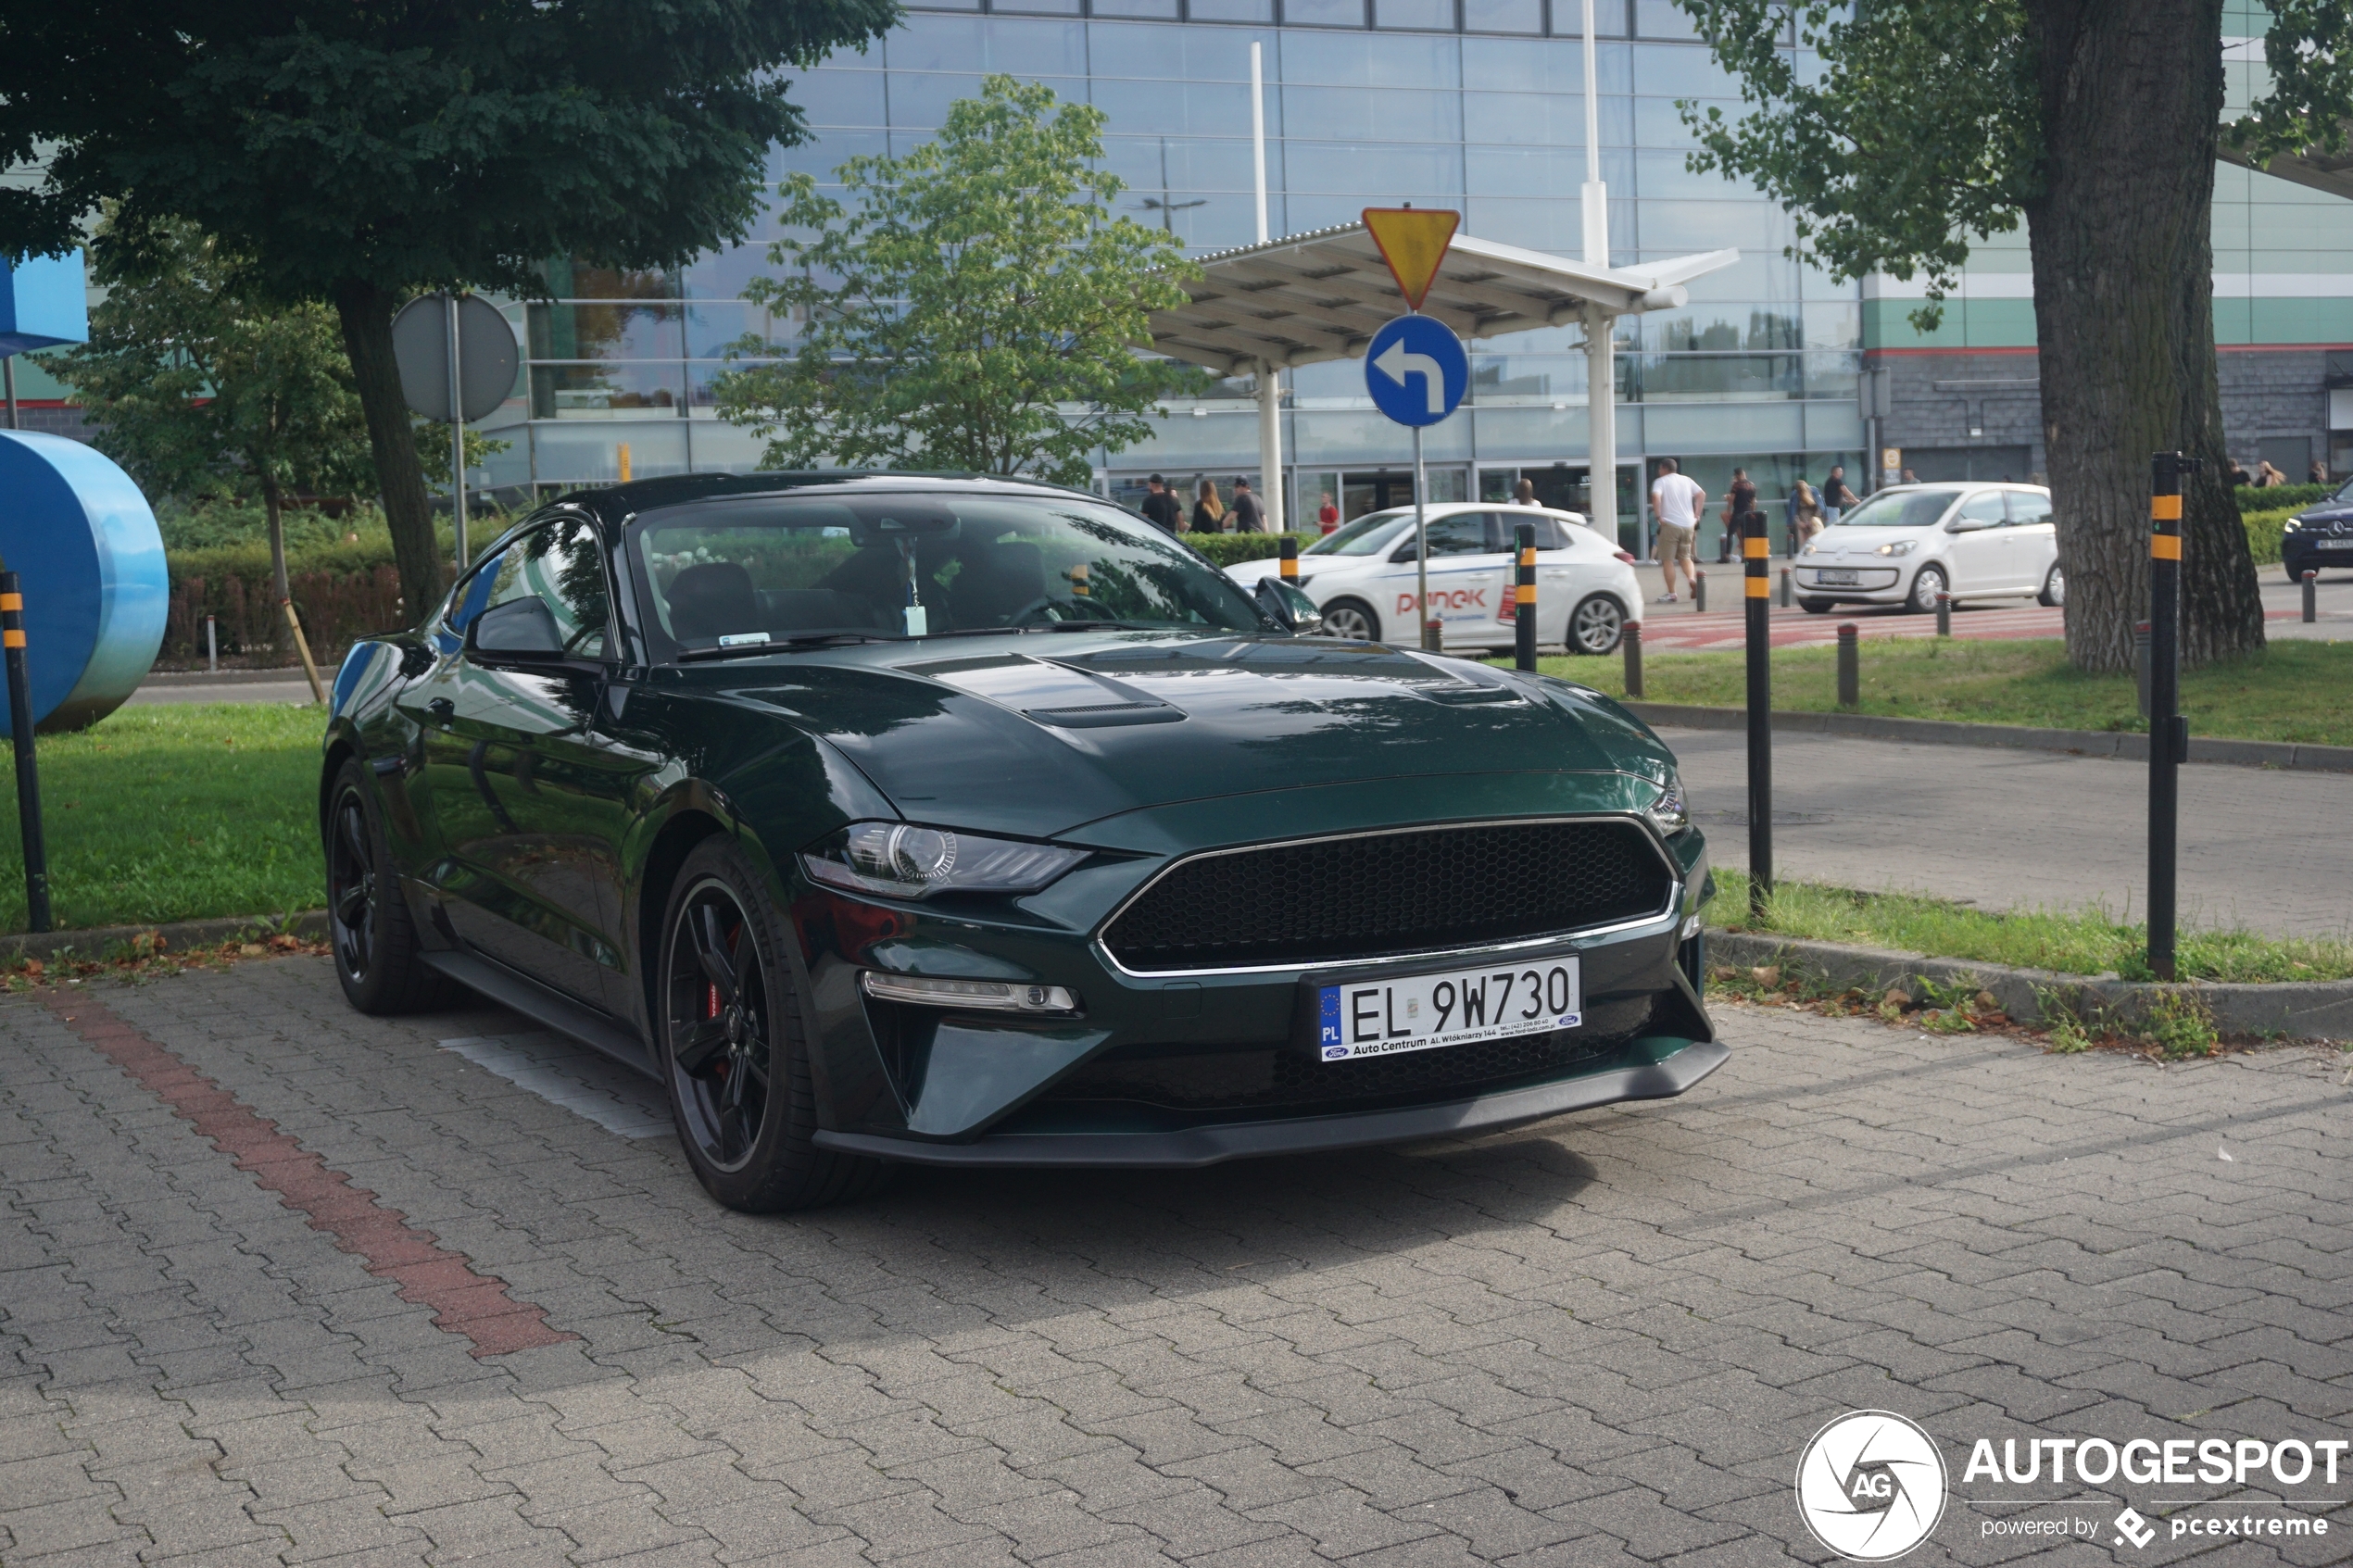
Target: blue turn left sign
(1416,370)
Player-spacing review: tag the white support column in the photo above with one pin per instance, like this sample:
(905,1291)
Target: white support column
(1601,402)
(1270,446)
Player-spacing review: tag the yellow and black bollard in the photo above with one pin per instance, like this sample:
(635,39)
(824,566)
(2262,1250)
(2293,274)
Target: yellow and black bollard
(2169,734)
(1289,562)
(1524,599)
(1759,588)
(36,853)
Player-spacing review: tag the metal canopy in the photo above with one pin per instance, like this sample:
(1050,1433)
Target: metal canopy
(2332,172)
(1321,296)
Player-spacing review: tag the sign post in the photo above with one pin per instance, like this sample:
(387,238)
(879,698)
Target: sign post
(457,361)
(1415,367)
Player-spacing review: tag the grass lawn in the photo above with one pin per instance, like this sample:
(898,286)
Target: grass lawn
(2072,942)
(2294,691)
(174,813)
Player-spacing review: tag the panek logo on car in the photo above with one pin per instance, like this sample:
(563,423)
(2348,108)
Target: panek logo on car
(1446,598)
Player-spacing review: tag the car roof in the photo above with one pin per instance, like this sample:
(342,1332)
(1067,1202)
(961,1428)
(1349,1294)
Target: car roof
(613,504)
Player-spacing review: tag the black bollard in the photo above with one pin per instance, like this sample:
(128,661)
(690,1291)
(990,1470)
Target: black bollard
(2311,596)
(1524,600)
(1943,613)
(2169,736)
(1760,589)
(1631,641)
(1850,668)
(36,853)
(1784,594)
(1699,592)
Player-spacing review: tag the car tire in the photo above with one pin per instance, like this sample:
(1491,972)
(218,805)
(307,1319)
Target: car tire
(1596,625)
(2053,593)
(1817,607)
(731,1048)
(1926,584)
(1352,621)
(379,958)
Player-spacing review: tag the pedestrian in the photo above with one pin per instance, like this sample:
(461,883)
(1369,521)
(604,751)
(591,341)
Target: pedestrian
(2236,473)
(1524,493)
(1162,509)
(1739,502)
(1209,513)
(1248,515)
(1676,501)
(2267,477)
(1836,496)
(2318,473)
(1805,514)
(1327,515)
(1910,478)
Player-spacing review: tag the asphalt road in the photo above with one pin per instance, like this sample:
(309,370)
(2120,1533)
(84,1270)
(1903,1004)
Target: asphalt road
(2013,829)
(282,1283)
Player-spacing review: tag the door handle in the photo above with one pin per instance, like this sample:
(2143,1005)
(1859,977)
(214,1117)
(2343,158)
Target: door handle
(442,708)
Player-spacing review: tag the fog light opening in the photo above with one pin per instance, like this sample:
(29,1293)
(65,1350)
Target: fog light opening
(988,996)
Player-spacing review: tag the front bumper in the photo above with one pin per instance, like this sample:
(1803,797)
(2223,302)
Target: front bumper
(1872,585)
(1654,1068)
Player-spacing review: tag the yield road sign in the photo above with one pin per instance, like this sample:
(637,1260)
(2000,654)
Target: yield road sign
(1416,370)
(486,359)
(1412,241)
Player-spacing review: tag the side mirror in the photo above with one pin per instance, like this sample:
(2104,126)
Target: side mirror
(1288,608)
(1968,524)
(521,632)
(1403,552)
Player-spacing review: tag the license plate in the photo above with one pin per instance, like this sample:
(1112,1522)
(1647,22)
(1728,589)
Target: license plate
(2336,544)
(1455,1007)
(1833,578)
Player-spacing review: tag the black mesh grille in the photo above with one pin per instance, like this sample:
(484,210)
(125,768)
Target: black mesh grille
(1256,1080)
(1389,893)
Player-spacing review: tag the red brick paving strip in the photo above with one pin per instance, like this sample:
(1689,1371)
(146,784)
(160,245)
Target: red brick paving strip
(464,1299)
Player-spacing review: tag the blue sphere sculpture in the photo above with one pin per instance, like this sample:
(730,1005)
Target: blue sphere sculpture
(84,542)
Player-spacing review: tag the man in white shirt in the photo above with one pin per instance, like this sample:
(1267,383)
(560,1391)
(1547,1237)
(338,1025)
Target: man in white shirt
(1676,499)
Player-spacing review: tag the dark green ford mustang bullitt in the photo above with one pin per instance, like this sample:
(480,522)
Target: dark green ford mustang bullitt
(972,822)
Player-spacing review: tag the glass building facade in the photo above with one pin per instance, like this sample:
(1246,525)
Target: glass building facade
(1474,105)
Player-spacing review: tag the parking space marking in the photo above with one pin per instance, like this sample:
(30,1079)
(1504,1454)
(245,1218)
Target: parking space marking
(464,1299)
(572,1076)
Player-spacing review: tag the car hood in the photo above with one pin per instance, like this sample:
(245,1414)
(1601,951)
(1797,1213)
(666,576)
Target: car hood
(1864,541)
(2327,512)
(1040,741)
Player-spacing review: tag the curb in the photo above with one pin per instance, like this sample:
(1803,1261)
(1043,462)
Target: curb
(2305,1010)
(176,934)
(226,677)
(2123,745)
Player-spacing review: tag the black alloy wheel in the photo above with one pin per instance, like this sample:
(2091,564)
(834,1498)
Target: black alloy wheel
(731,1045)
(378,956)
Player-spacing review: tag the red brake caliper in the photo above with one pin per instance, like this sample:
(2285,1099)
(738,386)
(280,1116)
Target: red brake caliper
(711,1010)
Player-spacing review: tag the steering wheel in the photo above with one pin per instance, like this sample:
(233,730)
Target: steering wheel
(1048,602)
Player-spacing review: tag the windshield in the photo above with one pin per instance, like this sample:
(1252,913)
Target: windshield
(1368,535)
(743,572)
(1898,509)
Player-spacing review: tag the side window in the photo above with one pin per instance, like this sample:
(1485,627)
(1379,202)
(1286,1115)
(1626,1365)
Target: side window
(1464,534)
(561,563)
(2028,508)
(1985,507)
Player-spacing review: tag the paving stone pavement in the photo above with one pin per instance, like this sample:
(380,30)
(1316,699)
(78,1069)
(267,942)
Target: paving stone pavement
(1601,1339)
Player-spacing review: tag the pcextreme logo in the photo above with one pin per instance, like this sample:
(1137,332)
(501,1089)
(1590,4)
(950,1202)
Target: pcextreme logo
(1870,1486)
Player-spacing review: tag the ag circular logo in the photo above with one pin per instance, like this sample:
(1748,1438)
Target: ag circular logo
(1870,1486)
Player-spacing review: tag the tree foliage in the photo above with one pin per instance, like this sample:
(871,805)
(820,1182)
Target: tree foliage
(205,389)
(965,301)
(354,151)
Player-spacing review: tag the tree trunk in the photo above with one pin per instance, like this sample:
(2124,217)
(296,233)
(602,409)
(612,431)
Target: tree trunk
(366,312)
(2131,95)
(273,509)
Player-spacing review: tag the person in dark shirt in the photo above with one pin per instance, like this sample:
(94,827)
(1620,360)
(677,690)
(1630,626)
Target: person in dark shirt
(1836,496)
(1161,509)
(1250,516)
(1739,501)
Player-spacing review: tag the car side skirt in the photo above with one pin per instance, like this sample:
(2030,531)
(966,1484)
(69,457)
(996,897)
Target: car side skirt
(488,978)
(1193,1147)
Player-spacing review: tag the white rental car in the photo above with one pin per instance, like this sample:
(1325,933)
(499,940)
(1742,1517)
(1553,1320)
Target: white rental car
(1362,578)
(1909,542)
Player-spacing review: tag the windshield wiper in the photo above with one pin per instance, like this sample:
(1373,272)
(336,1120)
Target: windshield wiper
(783,645)
(1099,626)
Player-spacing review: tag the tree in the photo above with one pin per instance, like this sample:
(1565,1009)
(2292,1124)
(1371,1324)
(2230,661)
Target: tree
(966,298)
(1931,122)
(201,386)
(358,151)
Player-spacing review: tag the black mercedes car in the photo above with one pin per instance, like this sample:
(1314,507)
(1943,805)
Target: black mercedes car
(890,817)
(2319,538)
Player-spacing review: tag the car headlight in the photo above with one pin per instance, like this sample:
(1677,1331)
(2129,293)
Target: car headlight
(1899,548)
(2292,525)
(902,860)
(1671,812)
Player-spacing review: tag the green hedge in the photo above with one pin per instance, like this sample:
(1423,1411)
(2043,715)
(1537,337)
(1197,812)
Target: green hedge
(2293,496)
(1232,549)
(2264,530)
